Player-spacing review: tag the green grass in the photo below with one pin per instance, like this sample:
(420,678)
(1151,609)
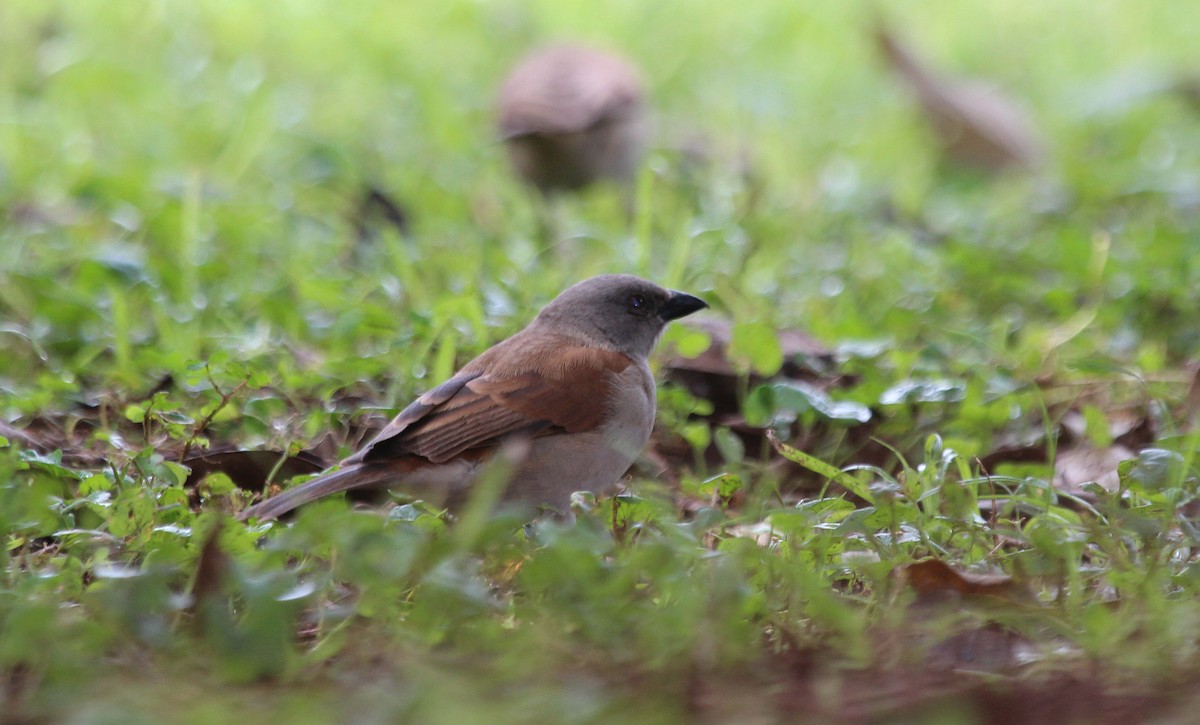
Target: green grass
(179,268)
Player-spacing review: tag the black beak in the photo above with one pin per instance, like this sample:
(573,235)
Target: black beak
(681,304)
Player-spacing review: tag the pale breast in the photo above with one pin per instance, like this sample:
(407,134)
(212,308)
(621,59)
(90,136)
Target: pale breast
(631,411)
(595,460)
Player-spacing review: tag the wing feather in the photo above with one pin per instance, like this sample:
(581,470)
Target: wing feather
(524,385)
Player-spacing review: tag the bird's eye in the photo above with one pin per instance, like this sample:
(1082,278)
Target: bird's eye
(637,303)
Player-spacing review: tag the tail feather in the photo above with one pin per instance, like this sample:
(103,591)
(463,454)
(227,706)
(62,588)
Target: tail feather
(354,476)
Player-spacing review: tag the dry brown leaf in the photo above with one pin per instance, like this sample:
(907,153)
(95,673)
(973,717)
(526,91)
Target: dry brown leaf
(1187,87)
(762,533)
(1121,422)
(933,579)
(1193,396)
(1074,467)
(977,123)
(70,433)
(989,648)
(16,435)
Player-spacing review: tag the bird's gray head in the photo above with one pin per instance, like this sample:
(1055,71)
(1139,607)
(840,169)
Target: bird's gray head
(617,311)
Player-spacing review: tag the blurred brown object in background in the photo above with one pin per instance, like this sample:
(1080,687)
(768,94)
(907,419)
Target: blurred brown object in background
(977,123)
(1187,87)
(571,116)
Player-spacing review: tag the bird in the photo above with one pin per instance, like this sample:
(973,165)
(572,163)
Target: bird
(570,116)
(574,385)
(977,124)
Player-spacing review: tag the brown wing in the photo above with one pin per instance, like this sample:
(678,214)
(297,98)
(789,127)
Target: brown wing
(521,385)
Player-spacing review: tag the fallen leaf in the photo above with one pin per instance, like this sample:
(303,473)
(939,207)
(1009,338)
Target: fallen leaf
(990,648)
(1121,423)
(1187,87)
(17,435)
(1075,467)
(1193,396)
(933,579)
(977,124)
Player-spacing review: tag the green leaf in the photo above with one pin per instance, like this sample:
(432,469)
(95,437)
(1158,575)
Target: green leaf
(687,341)
(757,343)
(724,485)
(177,473)
(135,413)
(1156,469)
(697,434)
(95,482)
(821,468)
(924,391)
(759,407)
(729,445)
(826,509)
(631,510)
(1101,366)
(50,463)
(174,417)
(218,484)
(782,403)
